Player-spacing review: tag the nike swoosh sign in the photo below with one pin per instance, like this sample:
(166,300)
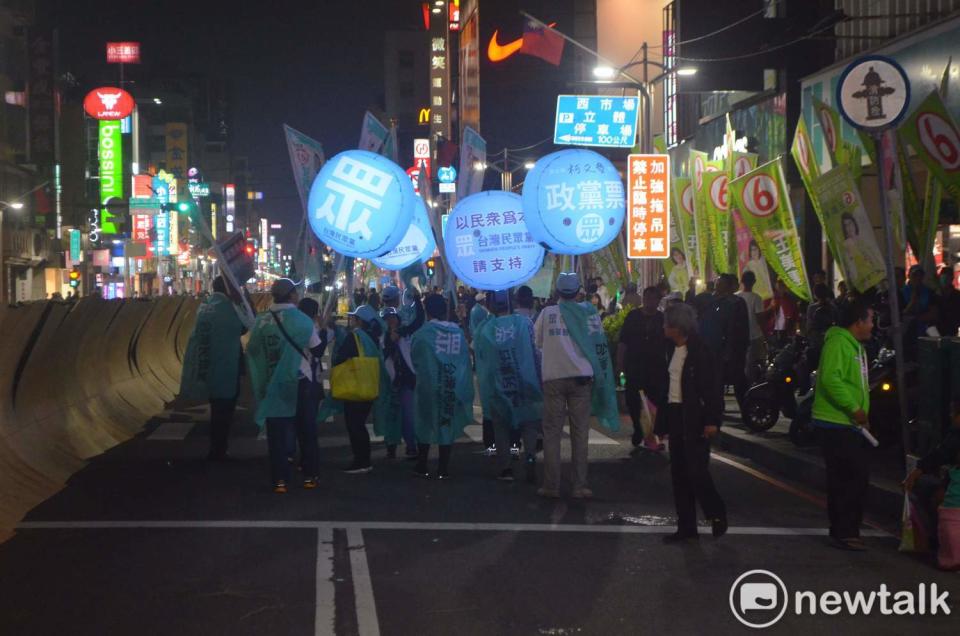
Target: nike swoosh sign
(499,52)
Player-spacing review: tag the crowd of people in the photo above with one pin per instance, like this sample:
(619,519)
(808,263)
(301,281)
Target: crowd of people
(410,363)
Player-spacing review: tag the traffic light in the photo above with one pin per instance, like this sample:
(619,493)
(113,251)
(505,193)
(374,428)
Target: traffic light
(184,207)
(251,249)
(431,267)
(75,278)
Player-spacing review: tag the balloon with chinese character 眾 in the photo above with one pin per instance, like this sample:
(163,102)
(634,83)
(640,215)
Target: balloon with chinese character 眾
(574,201)
(487,243)
(361,204)
(417,244)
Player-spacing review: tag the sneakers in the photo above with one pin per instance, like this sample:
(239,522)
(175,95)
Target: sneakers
(309,484)
(581,493)
(637,438)
(506,475)
(515,450)
(443,476)
(422,473)
(490,451)
(358,470)
(549,494)
(280,488)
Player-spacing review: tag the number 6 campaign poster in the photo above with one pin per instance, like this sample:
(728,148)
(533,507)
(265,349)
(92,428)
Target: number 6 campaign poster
(761,196)
(935,138)
(848,229)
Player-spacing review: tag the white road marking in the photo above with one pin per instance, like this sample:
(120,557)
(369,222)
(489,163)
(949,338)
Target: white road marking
(172,431)
(367,624)
(597,438)
(324,618)
(425,525)
(373,436)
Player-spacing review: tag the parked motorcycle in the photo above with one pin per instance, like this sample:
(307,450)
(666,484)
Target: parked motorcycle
(884,402)
(776,394)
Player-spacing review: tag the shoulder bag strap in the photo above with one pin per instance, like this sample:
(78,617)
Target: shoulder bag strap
(276,319)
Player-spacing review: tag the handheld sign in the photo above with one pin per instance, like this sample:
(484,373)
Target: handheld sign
(417,244)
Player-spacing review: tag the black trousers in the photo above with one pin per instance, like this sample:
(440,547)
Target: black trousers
(690,471)
(848,475)
(308,403)
(355,414)
(221,417)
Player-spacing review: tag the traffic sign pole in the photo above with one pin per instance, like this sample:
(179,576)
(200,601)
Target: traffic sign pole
(872,95)
(893,293)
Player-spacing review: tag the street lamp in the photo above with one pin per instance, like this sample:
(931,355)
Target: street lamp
(607,73)
(506,167)
(5,205)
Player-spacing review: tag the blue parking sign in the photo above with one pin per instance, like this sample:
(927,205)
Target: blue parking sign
(596,120)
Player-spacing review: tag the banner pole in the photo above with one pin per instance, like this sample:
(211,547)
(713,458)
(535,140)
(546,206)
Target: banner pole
(893,296)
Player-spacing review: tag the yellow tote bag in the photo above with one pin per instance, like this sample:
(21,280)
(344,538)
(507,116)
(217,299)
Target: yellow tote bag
(356,379)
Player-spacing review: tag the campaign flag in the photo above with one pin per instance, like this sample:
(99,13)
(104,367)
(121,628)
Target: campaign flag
(763,198)
(848,229)
(688,256)
(739,243)
(676,267)
(473,153)
(373,134)
(717,212)
(698,166)
(935,137)
(389,149)
(541,42)
(306,159)
(842,153)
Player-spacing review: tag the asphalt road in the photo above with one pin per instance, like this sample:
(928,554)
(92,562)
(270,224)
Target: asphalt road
(152,539)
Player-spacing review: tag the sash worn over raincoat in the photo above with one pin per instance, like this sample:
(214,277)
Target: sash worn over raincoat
(211,365)
(444,393)
(386,408)
(275,364)
(507,370)
(586,330)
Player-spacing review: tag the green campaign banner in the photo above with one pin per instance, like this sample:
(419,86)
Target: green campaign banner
(763,199)
(718,217)
(841,153)
(700,164)
(683,238)
(934,136)
(739,244)
(848,229)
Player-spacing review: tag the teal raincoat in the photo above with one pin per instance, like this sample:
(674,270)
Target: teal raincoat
(586,330)
(386,408)
(211,365)
(274,364)
(507,370)
(444,393)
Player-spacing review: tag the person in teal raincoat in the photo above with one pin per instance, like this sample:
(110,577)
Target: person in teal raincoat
(508,375)
(365,325)
(444,392)
(212,363)
(480,314)
(277,345)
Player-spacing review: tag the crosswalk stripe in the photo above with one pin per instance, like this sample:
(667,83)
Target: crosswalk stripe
(171,431)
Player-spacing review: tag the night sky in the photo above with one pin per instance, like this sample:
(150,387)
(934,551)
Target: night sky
(316,65)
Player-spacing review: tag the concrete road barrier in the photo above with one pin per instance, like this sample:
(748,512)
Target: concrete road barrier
(76,380)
